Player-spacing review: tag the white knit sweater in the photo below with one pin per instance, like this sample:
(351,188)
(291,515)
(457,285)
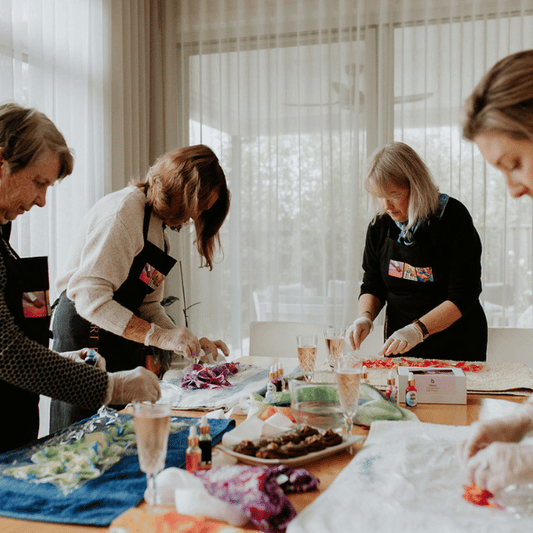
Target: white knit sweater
(110,237)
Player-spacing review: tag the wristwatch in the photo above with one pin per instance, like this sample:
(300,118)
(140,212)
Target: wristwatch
(423,329)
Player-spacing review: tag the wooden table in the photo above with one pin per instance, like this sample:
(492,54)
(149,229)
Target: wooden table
(326,470)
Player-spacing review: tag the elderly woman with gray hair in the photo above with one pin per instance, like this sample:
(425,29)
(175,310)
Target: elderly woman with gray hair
(422,259)
(33,157)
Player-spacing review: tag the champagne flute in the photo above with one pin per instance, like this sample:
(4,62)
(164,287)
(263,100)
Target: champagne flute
(307,348)
(334,344)
(348,370)
(152,426)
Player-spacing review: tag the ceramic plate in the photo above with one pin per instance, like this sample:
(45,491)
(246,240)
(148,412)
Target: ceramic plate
(348,440)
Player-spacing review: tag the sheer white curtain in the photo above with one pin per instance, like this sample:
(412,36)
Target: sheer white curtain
(293,95)
(86,65)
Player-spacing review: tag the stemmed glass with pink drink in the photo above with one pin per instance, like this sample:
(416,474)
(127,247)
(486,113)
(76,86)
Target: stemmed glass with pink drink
(307,348)
(152,426)
(334,344)
(348,370)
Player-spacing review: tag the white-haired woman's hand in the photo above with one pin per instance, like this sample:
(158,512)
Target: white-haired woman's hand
(402,341)
(359,331)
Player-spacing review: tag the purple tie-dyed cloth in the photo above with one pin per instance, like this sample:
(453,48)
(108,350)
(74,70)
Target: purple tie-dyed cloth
(259,491)
(210,377)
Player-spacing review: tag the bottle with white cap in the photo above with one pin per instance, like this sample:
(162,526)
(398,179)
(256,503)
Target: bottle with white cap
(193,453)
(392,391)
(271,385)
(410,391)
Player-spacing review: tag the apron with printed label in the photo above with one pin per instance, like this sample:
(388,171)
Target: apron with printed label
(72,332)
(416,284)
(27,298)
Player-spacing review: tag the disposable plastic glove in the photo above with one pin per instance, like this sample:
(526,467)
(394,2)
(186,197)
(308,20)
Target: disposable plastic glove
(79,357)
(505,429)
(402,341)
(178,339)
(128,386)
(359,331)
(212,347)
(501,464)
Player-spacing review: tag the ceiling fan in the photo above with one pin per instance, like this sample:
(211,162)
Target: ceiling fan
(348,96)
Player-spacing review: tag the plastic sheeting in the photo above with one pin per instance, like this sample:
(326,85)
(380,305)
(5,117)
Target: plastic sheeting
(406,478)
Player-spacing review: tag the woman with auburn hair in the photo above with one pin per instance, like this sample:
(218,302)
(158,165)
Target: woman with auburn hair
(33,157)
(111,287)
(422,260)
(499,119)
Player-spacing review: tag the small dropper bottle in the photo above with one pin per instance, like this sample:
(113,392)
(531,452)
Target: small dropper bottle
(364,374)
(206,444)
(281,377)
(391,391)
(410,391)
(271,385)
(193,453)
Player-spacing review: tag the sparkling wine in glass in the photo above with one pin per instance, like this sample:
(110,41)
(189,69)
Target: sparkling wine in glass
(152,426)
(307,348)
(334,344)
(348,370)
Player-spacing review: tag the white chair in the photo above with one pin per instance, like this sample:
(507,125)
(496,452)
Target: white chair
(278,339)
(510,345)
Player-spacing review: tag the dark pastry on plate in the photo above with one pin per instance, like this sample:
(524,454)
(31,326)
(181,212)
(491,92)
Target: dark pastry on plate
(330,438)
(314,443)
(306,431)
(272,451)
(246,447)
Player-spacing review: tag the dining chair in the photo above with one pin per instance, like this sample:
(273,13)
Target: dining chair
(278,339)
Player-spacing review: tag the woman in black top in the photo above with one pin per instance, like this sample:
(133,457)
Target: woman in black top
(422,259)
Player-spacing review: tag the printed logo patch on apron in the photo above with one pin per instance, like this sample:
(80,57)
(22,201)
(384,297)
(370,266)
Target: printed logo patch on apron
(399,269)
(36,304)
(151,276)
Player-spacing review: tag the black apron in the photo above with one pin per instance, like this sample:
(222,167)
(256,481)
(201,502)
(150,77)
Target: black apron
(27,298)
(72,332)
(416,284)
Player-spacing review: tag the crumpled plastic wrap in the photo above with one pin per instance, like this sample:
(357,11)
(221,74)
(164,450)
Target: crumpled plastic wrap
(78,454)
(259,491)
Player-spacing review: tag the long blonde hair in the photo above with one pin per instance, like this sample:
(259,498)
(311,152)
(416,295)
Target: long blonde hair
(503,99)
(397,164)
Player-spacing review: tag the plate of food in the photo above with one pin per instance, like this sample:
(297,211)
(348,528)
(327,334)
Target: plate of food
(297,446)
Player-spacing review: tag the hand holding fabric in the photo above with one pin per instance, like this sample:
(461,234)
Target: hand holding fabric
(501,464)
(505,429)
(212,347)
(402,341)
(359,331)
(128,386)
(178,339)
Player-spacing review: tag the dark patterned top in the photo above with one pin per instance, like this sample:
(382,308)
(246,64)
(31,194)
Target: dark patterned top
(32,367)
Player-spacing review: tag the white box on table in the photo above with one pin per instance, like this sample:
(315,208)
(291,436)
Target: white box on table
(434,385)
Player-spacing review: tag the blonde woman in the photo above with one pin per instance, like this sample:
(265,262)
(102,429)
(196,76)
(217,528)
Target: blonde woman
(499,119)
(422,259)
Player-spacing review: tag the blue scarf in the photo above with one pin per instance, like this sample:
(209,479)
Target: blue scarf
(407,235)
